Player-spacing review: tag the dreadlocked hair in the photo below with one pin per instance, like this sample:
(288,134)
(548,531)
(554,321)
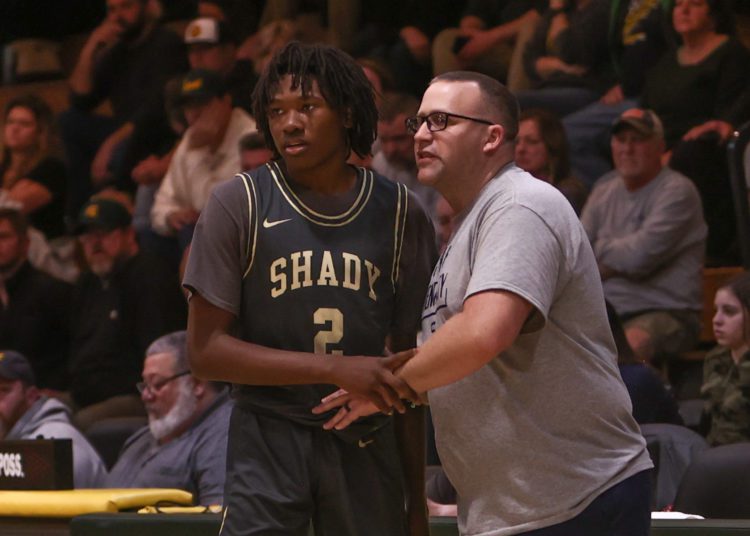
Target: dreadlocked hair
(342,83)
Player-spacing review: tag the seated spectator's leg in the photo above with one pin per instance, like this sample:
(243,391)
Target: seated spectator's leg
(588,132)
(561,100)
(443,57)
(662,334)
(704,161)
(518,80)
(494,64)
(410,75)
(149,241)
(117,406)
(82,133)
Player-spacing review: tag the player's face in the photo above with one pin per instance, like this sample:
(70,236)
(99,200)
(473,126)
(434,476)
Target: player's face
(307,132)
(442,156)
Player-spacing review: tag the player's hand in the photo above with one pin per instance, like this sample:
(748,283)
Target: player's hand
(374,379)
(350,407)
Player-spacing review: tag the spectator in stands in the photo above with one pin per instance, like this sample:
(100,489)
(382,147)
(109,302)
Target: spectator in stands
(210,46)
(639,33)
(33,306)
(395,159)
(697,90)
(726,372)
(27,414)
(566,59)
(184,445)
(32,176)
(127,59)
(645,223)
(485,38)
(253,151)
(120,305)
(652,402)
(206,156)
(542,149)
(400,33)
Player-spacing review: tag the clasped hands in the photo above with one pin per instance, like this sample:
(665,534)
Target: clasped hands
(368,385)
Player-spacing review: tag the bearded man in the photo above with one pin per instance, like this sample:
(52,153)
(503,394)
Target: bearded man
(184,445)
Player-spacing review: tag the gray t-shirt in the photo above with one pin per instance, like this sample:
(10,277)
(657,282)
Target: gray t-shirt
(195,461)
(654,236)
(534,436)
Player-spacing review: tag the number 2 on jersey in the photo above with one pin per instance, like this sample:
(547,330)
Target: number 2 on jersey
(333,319)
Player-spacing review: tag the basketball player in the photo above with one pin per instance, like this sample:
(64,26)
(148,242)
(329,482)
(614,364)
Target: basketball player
(298,272)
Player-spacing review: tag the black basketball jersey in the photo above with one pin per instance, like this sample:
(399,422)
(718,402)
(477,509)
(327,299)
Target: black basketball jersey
(315,282)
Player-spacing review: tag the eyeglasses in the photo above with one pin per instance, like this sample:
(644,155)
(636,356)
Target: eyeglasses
(437,121)
(158,386)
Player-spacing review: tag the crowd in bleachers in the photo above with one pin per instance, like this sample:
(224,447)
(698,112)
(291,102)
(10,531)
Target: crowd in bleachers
(101,190)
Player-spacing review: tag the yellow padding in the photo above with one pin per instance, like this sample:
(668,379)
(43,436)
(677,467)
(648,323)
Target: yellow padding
(70,503)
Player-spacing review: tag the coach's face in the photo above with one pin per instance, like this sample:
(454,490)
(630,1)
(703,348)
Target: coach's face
(444,156)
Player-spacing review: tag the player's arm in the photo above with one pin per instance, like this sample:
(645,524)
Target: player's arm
(217,355)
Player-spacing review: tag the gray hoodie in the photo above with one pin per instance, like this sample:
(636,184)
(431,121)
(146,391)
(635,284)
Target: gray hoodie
(49,418)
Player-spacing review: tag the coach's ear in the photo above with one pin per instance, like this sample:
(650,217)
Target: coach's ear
(495,138)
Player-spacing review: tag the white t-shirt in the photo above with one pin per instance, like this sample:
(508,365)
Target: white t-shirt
(534,436)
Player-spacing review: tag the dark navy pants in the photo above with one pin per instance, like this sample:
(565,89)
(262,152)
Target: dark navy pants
(622,510)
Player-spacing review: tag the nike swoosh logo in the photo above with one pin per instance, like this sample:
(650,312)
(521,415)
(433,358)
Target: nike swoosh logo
(268,224)
(363,444)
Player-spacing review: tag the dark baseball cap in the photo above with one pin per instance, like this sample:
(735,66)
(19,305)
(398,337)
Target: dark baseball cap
(102,214)
(201,85)
(643,121)
(14,366)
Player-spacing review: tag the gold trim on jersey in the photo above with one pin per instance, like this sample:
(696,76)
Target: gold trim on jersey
(402,208)
(306,212)
(252,219)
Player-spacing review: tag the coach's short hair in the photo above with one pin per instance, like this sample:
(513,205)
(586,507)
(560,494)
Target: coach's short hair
(498,100)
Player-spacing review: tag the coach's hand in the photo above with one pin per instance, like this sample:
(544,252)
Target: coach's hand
(373,378)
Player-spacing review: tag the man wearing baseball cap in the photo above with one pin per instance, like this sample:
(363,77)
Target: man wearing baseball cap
(26,414)
(207,155)
(211,46)
(645,223)
(124,301)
